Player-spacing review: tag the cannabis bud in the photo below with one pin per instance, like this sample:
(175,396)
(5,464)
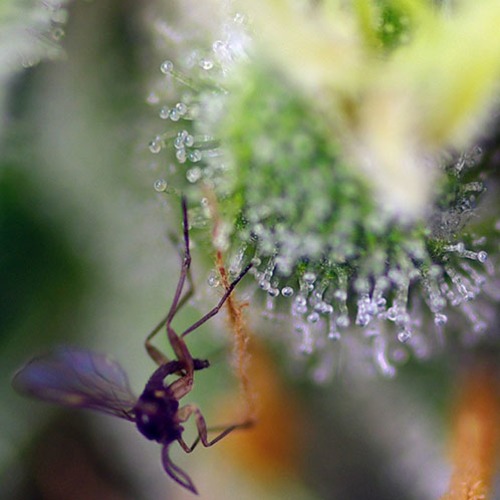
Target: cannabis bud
(342,158)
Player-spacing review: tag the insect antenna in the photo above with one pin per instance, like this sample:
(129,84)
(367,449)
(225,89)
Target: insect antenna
(175,472)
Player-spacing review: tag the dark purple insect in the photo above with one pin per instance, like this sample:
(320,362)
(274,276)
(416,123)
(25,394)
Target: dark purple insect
(84,379)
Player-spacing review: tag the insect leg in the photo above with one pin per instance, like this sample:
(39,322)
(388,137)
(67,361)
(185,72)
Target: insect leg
(154,353)
(190,285)
(188,293)
(177,301)
(186,263)
(217,308)
(186,411)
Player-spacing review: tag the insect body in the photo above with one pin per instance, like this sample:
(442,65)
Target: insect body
(84,379)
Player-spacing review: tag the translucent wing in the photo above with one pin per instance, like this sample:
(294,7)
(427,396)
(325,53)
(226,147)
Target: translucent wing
(80,379)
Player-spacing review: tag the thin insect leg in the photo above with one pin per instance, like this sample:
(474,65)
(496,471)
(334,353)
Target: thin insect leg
(188,294)
(190,290)
(153,351)
(177,301)
(217,308)
(185,264)
(186,411)
(225,431)
(185,446)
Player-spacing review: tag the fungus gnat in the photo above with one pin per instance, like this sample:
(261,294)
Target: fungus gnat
(84,379)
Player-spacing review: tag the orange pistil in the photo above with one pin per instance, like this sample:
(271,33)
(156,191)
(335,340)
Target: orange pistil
(241,340)
(236,320)
(271,448)
(476,436)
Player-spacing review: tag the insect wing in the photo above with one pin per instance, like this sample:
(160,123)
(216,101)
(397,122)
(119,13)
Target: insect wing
(80,379)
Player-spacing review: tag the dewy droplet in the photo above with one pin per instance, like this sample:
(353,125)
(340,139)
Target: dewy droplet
(164,112)
(181,155)
(160,185)
(181,108)
(213,279)
(193,174)
(174,115)
(57,33)
(404,336)
(343,321)
(155,145)
(309,278)
(166,67)
(440,319)
(264,285)
(482,256)
(313,317)
(195,155)
(300,300)
(206,64)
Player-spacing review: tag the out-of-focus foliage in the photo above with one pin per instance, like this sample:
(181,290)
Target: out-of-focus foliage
(30,31)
